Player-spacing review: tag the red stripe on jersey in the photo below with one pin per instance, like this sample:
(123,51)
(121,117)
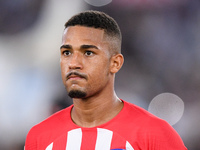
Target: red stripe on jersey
(89,137)
(60,143)
(118,142)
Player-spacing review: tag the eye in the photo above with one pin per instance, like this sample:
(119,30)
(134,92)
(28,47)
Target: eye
(66,53)
(89,53)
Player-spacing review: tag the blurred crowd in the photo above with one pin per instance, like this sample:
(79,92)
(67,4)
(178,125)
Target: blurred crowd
(161,46)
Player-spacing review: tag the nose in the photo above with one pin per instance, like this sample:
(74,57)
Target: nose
(75,61)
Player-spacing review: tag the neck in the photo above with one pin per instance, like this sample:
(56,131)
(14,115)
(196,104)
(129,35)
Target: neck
(95,111)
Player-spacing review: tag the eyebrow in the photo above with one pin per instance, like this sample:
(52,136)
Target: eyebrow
(82,46)
(66,46)
(89,46)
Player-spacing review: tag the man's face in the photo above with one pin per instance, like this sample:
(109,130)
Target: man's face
(85,61)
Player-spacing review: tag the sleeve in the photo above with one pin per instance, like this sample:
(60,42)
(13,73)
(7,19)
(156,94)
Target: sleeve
(157,134)
(31,142)
(173,140)
(164,137)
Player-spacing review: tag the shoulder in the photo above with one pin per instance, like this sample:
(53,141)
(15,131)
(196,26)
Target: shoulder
(138,113)
(57,119)
(50,126)
(144,119)
(151,130)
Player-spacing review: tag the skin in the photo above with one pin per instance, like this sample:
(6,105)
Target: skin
(86,51)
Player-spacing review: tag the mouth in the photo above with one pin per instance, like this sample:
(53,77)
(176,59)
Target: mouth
(75,76)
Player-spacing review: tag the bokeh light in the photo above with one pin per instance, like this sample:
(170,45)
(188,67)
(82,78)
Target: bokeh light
(167,106)
(98,3)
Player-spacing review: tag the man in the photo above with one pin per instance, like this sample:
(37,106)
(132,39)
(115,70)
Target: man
(98,119)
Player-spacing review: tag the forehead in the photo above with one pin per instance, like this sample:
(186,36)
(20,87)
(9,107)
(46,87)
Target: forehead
(80,33)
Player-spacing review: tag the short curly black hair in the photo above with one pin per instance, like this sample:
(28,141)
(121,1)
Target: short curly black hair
(99,20)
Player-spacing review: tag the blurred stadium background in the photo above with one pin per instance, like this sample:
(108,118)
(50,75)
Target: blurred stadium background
(161,45)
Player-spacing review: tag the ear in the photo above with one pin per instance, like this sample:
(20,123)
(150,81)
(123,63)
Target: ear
(116,63)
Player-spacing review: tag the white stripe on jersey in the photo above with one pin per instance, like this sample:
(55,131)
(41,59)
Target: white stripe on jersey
(50,147)
(104,138)
(74,139)
(128,146)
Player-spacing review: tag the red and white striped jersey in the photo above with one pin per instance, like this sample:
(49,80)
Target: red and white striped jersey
(132,129)
(90,139)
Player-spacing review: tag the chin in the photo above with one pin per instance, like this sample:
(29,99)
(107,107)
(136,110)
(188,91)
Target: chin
(77,94)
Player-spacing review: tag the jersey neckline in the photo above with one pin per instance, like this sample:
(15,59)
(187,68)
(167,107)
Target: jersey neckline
(99,126)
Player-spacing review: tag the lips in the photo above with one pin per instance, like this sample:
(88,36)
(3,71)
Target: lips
(75,76)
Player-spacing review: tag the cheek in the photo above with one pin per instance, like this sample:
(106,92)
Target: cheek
(64,64)
(63,68)
(100,70)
